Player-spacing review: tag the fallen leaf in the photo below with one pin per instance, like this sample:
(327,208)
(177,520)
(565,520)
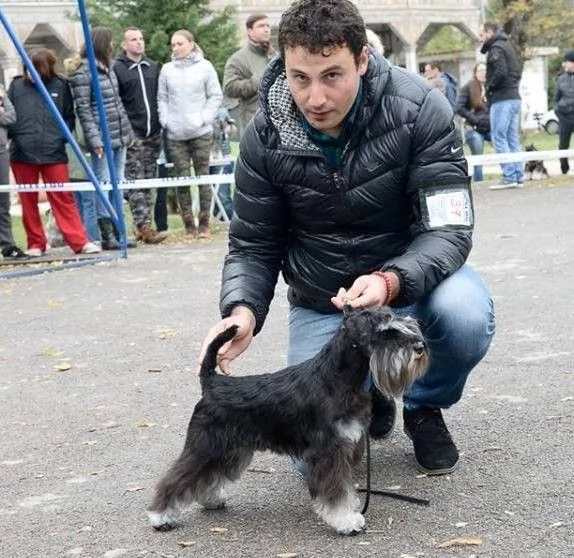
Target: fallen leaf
(185,544)
(461,524)
(63,367)
(54,304)
(52,352)
(287,555)
(219,530)
(144,424)
(154,370)
(135,488)
(85,529)
(557,524)
(568,398)
(268,470)
(508,512)
(94,473)
(167,333)
(461,541)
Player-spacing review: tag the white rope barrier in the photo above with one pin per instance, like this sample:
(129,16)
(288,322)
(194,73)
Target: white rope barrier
(521,156)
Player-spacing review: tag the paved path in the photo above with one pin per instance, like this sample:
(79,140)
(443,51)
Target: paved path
(97,385)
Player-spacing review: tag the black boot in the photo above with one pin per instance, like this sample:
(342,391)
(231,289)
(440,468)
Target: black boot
(109,241)
(129,243)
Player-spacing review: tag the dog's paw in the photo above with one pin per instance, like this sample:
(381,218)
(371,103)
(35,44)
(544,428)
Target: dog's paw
(162,521)
(353,525)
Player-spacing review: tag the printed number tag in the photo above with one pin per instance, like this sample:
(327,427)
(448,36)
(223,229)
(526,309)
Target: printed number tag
(449,207)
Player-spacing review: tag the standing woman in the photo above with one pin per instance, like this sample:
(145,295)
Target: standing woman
(120,129)
(189,95)
(38,148)
(7,118)
(471,105)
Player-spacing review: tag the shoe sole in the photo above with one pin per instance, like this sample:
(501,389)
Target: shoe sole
(432,472)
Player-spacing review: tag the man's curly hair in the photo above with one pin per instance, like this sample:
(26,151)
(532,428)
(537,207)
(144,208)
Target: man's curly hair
(318,25)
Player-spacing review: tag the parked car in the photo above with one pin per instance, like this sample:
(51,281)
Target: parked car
(549,121)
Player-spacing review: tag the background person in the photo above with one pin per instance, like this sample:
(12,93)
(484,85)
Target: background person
(38,149)
(472,107)
(336,186)
(245,67)
(189,95)
(119,127)
(7,117)
(137,77)
(503,73)
(564,107)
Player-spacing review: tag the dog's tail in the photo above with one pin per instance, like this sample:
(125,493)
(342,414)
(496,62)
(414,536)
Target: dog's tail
(209,362)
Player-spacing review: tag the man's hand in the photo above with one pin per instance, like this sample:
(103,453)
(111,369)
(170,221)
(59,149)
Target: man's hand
(366,291)
(242,317)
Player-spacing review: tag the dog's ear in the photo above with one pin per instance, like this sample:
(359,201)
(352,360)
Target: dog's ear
(361,324)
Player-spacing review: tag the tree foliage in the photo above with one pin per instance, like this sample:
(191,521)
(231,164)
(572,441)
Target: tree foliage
(215,32)
(448,39)
(535,23)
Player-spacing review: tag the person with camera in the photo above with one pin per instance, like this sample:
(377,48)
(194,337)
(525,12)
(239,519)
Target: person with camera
(472,107)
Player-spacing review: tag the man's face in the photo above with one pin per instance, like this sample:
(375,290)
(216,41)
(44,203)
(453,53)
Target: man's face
(260,32)
(324,85)
(133,43)
(485,34)
(430,72)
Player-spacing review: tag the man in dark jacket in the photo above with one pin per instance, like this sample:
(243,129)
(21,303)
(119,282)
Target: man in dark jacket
(137,81)
(351,181)
(564,107)
(503,73)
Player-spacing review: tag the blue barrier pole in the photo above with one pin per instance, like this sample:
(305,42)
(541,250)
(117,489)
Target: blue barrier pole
(118,200)
(55,112)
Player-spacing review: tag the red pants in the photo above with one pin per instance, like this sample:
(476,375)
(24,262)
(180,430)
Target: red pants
(62,203)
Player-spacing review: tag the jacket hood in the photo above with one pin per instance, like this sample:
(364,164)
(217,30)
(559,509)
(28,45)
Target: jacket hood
(72,64)
(500,36)
(280,109)
(191,58)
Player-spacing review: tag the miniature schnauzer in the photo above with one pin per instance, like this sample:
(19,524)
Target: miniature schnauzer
(317,411)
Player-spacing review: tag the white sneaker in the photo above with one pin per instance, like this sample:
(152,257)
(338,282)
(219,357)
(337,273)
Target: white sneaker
(34,252)
(90,248)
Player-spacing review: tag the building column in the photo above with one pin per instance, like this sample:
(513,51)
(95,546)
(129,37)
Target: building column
(411,60)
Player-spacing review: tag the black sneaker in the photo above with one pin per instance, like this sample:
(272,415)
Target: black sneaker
(384,412)
(435,452)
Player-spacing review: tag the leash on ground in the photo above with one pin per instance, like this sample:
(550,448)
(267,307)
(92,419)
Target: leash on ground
(368,490)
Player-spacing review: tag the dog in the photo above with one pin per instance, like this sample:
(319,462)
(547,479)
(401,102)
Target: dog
(532,167)
(317,411)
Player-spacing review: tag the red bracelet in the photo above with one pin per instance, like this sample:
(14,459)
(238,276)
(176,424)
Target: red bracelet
(389,285)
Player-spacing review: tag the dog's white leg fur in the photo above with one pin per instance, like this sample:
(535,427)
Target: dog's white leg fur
(213,498)
(350,430)
(343,517)
(167,519)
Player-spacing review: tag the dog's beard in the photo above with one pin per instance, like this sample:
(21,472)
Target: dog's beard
(395,370)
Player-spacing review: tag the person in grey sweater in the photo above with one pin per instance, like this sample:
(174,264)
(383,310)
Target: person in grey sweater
(188,97)
(244,68)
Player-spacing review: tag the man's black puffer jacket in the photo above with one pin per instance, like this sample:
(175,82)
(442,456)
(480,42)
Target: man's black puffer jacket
(324,228)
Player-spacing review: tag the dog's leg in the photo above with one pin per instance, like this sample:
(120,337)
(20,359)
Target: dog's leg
(232,465)
(333,495)
(192,476)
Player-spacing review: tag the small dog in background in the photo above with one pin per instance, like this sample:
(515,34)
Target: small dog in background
(317,411)
(532,167)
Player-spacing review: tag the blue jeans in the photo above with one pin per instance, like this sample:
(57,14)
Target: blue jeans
(505,132)
(86,203)
(457,320)
(224,190)
(475,142)
(100,168)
